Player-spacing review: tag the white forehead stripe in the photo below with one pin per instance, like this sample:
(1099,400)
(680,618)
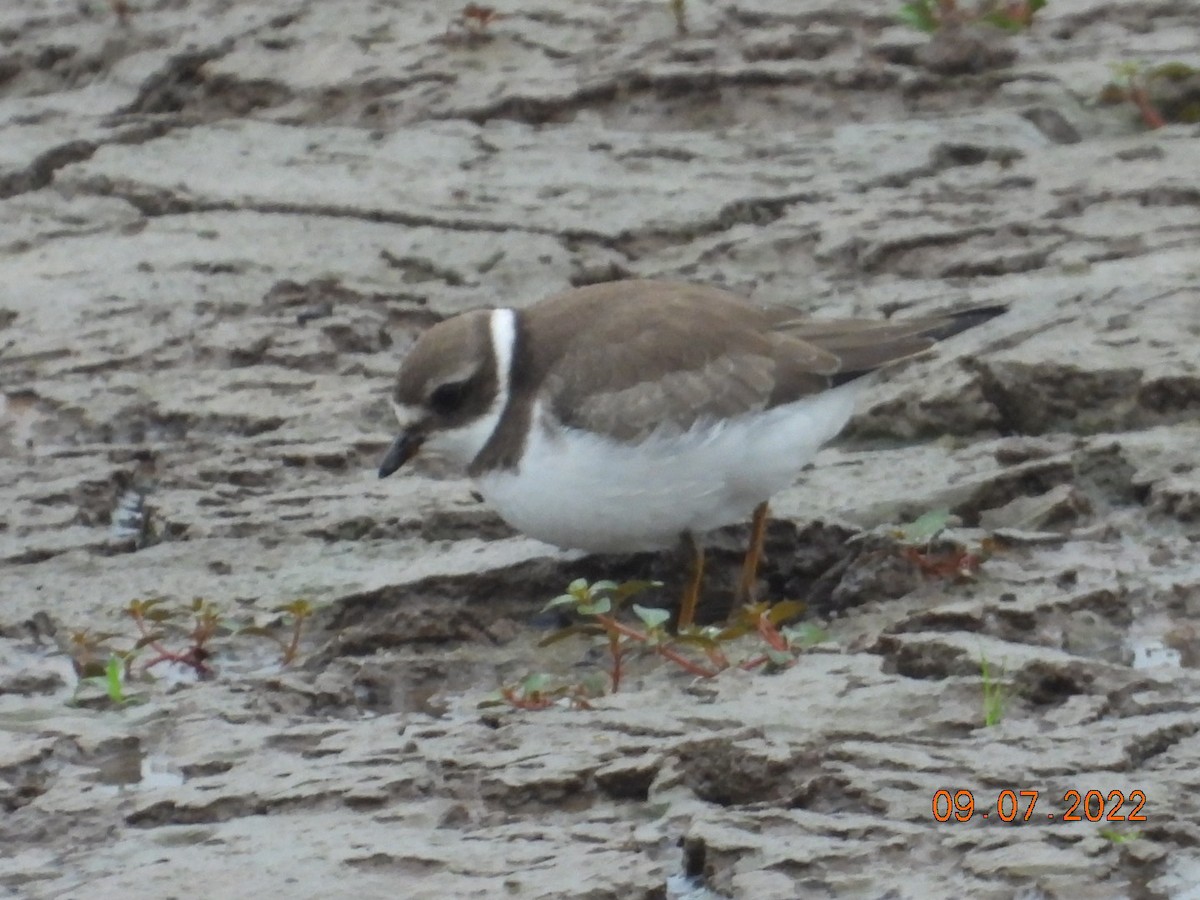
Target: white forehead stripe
(503,325)
(406,415)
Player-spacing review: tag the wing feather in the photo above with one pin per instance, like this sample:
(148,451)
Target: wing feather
(695,354)
(664,356)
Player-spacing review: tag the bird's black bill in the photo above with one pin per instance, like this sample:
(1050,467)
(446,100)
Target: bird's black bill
(402,450)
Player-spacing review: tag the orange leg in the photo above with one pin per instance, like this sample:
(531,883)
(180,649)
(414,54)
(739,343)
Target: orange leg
(691,594)
(754,554)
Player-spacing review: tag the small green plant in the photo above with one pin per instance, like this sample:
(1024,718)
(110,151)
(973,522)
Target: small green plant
(929,544)
(935,546)
(111,681)
(1117,836)
(930,16)
(179,634)
(994,693)
(155,622)
(625,629)
(1161,94)
(598,604)
(922,530)
(541,691)
(89,651)
(294,615)
(114,680)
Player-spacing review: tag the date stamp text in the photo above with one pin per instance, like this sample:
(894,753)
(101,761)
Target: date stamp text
(1022,806)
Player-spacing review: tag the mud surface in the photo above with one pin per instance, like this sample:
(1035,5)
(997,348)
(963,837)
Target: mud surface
(223,222)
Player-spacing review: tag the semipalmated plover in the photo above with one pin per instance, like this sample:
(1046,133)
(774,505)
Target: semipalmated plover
(623,416)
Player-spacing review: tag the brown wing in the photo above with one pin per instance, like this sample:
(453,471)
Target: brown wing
(666,355)
(663,355)
(864,345)
(858,343)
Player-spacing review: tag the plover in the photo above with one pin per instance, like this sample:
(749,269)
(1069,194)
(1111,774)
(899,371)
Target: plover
(625,416)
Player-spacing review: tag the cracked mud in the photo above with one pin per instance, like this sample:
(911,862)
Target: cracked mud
(222,225)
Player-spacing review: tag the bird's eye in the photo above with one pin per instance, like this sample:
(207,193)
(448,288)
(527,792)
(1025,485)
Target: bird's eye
(448,398)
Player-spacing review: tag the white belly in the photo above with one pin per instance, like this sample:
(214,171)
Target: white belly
(576,489)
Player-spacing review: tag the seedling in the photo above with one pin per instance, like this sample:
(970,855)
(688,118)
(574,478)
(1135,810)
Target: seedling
(924,528)
(112,681)
(1160,94)
(597,603)
(927,545)
(994,694)
(764,620)
(698,651)
(1129,86)
(930,16)
(183,635)
(541,691)
(1119,837)
(89,652)
(153,620)
(297,612)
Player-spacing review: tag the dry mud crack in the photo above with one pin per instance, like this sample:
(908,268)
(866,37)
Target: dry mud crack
(223,223)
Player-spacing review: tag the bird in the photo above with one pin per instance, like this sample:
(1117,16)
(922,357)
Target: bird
(634,415)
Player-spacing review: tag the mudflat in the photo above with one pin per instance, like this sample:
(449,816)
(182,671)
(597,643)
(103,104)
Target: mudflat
(223,223)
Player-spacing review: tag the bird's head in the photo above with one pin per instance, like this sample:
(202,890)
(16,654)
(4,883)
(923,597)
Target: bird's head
(447,397)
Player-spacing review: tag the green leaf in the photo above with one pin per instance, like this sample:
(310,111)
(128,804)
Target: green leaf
(1173,71)
(733,632)
(804,635)
(90,672)
(919,15)
(1118,837)
(112,679)
(925,528)
(303,607)
(578,587)
(606,586)
(561,600)
(597,607)
(535,683)
(652,618)
(696,639)
(780,658)
(1126,70)
(594,684)
(784,610)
